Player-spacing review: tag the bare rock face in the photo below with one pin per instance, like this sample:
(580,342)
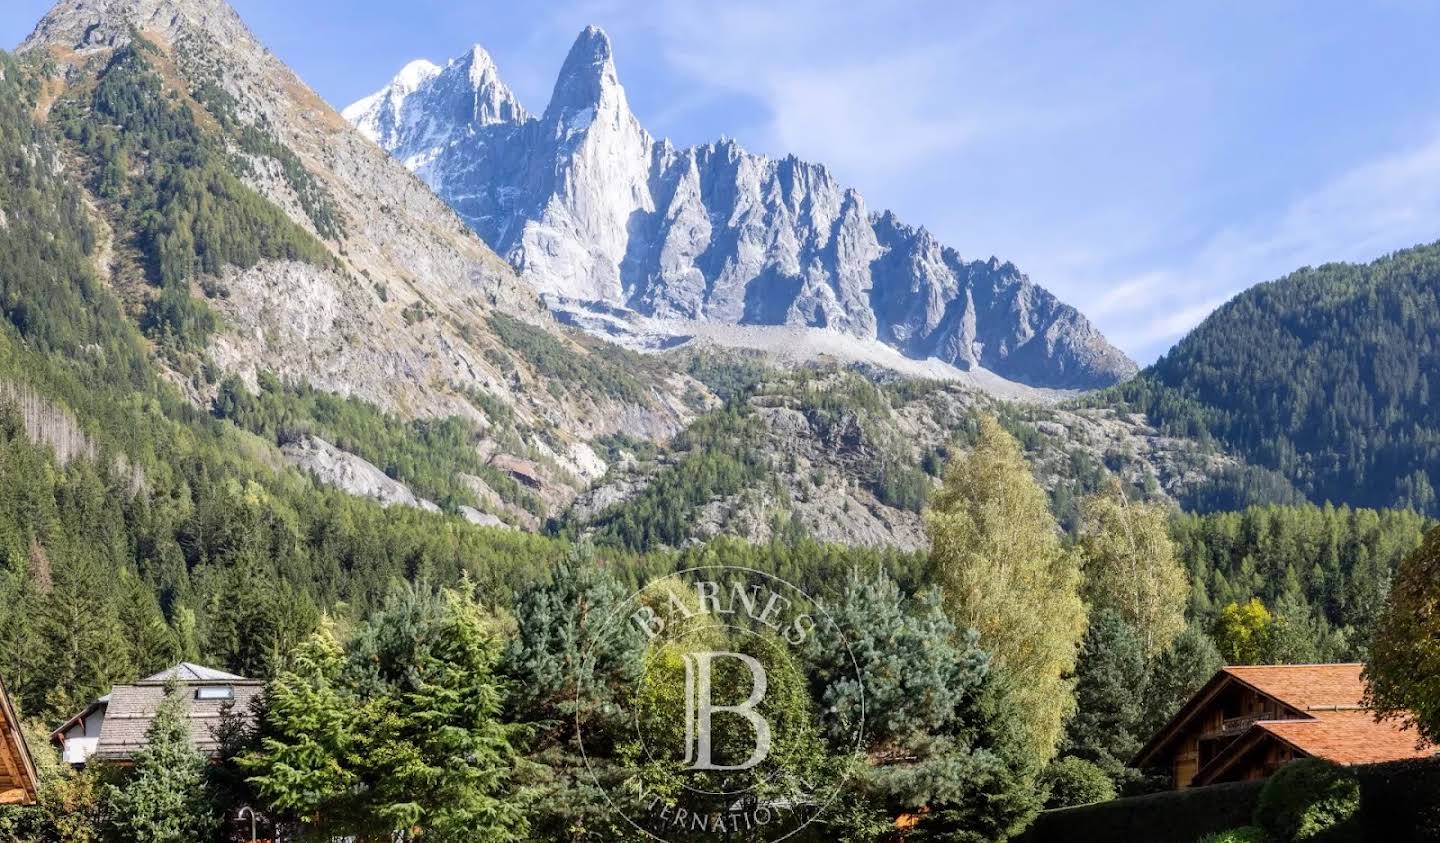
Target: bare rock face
(349,473)
(596,213)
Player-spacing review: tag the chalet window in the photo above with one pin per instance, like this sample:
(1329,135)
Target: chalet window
(216,692)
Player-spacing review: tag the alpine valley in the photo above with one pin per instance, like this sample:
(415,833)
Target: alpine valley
(389,410)
(553,322)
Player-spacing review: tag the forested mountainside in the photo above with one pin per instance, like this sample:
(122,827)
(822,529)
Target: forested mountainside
(257,240)
(1329,377)
(217,305)
(597,213)
(288,277)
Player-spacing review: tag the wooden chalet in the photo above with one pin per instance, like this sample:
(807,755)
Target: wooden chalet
(18,782)
(113,728)
(1249,720)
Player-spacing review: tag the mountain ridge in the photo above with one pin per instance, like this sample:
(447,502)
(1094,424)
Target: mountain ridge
(1324,376)
(593,210)
(388,298)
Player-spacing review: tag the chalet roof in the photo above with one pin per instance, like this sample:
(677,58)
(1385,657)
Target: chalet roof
(18,782)
(1349,737)
(1305,686)
(1331,720)
(190,672)
(1345,737)
(132,709)
(129,709)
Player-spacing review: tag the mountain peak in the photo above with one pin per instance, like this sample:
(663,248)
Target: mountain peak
(480,66)
(414,74)
(99,24)
(588,76)
(593,44)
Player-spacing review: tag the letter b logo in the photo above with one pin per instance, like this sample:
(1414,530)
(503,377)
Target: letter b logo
(700,710)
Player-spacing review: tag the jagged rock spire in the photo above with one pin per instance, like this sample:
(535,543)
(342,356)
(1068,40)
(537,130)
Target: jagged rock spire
(598,215)
(588,78)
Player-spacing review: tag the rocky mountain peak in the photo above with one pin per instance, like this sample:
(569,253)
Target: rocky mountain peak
(84,25)
(587,79)
(413,75)
(601,218)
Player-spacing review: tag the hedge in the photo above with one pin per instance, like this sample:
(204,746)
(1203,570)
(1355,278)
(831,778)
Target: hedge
(1399,803)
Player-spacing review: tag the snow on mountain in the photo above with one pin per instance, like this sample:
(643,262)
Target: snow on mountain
(597,213)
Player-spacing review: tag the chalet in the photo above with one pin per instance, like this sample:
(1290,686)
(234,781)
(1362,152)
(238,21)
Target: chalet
(1249,720)
(113,727)
(18,782)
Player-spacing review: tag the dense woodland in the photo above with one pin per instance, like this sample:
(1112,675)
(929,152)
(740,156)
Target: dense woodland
(1324,377)
(174,536)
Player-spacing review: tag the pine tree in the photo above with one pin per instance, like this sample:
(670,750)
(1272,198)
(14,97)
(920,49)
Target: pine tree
(312,738)
(1110,697)
(1189,662)
(928,696)
(443,758)
(556,622)
(997,555)
(400,736)
(166,798)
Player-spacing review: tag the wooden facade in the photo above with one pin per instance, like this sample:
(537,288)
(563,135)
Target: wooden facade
(1249,720)
(18,783)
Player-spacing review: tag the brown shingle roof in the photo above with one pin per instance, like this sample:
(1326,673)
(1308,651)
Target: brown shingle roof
(1349,737)
(133,707)
(1305,686)
(1316,691)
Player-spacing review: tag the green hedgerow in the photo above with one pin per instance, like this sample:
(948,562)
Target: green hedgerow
(1309,800)
(1075,781)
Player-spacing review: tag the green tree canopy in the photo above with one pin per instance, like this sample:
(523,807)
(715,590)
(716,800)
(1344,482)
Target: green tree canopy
(167,797)
(1404,668)
(997,555)
(1131,567)
(400,736)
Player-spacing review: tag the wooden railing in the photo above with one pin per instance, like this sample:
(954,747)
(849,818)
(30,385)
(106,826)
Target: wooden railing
(1234,726)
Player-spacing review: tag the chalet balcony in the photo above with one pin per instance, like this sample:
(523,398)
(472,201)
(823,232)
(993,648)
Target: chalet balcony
(1233,727)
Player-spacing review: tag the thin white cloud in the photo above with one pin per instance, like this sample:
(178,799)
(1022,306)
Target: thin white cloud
(1372,209)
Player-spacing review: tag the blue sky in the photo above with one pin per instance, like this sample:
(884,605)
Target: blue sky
(1145,161)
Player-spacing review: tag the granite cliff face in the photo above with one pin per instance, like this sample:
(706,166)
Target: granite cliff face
(598,214)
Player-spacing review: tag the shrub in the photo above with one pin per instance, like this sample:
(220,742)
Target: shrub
(1244,834)
(1075,781)
(1310,799)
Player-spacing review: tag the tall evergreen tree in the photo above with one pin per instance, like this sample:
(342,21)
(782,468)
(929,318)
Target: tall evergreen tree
(1187,664)
(1106,729)
(932,710)
(167,796)
(403,737)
